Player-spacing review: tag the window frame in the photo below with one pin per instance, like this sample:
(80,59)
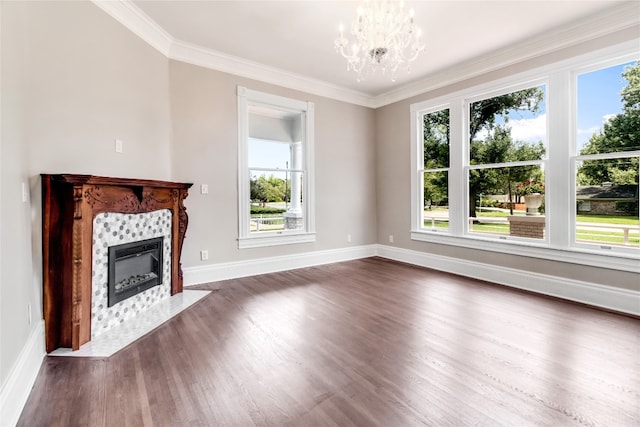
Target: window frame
(246,239)
(466,144)
(417,213)
(559,78)
(575,156)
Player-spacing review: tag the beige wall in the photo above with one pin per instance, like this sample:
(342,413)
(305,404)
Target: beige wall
(73,80)
(205,139)
(393,167)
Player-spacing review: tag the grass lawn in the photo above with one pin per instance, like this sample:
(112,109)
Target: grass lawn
(584,234)
(609,219)
(607,236)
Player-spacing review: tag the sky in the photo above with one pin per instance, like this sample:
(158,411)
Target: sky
(598,99)
(268,154)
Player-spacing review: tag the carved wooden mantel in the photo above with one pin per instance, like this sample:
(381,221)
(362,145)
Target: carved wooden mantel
(70,204)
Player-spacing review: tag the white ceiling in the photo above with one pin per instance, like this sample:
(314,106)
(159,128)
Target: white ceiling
(297,37)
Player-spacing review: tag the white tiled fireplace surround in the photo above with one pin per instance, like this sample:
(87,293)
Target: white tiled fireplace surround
(113,328)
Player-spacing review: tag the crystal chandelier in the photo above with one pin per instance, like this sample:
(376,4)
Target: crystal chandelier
(385,37)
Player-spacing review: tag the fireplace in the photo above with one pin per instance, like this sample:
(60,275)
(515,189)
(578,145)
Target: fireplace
(84,215)
(133,268)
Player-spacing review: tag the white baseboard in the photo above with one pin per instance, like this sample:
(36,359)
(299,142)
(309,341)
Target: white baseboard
(608,297)
(16,389)
(236,269)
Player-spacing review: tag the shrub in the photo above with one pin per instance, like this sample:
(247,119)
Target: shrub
(627,207)
(259,210)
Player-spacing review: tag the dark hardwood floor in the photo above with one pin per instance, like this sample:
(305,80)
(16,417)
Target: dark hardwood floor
(361,343)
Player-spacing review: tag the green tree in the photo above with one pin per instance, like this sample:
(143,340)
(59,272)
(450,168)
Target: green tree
(436,139)
(271,189)
(498,146)
(483,114)
(524,151)
(436,155)
(620,133)
(435,189)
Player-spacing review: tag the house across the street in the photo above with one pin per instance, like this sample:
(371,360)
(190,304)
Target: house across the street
(608,199)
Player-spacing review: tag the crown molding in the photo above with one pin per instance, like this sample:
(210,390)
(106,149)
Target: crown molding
(197,55)
(133,18)
(616,19)
(129,15)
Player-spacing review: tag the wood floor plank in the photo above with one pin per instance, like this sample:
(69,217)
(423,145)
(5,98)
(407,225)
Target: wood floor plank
(369,342)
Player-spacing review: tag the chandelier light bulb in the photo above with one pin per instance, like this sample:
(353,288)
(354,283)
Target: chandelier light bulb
(383,36)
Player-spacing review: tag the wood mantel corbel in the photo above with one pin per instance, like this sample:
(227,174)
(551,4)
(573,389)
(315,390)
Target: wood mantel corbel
(70,204)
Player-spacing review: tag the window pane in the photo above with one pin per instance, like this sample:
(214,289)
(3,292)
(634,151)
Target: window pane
(607,202)
(505,202)
(508,128)
(436,139)
(609,110)
(276,201)
(269,154)
(436,201)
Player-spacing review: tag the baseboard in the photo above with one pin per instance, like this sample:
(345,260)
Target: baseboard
(16,389)
(607,297)
(236,269)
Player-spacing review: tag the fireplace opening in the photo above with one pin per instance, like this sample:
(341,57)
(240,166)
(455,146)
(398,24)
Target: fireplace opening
(133,268)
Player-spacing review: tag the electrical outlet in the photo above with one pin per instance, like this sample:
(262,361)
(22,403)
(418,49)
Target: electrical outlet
(119,145)
(348,238)
(29,314)
(390,238)
(204,255)
(204,189)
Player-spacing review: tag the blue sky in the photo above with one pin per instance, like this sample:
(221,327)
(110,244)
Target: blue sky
(598,98)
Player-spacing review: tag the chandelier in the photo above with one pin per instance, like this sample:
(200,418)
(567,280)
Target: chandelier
(385,37)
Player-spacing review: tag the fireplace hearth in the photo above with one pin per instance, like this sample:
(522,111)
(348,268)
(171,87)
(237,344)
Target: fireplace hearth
(133,268)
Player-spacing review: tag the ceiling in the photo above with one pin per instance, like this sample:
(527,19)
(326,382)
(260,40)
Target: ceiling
(297,37)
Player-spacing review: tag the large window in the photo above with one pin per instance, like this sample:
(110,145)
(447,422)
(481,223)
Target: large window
(275,169)
(507,147)
(539,164)
(608,144)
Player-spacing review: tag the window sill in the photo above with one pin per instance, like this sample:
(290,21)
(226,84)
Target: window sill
(615,261)
(275,240)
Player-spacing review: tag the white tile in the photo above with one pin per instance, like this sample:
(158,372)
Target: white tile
(127,332)
(111,229)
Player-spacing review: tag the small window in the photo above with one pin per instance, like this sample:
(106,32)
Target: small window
(275,170)
(434,174)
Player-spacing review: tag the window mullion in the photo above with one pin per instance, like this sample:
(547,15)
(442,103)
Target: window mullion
(459,158)
(559,175)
